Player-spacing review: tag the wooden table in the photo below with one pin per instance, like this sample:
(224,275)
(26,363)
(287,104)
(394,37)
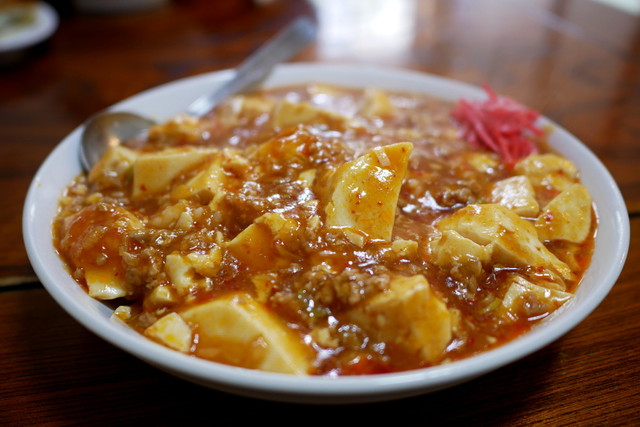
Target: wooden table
(576,61)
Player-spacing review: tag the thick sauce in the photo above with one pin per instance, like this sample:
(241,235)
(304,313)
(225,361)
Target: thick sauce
(279,199)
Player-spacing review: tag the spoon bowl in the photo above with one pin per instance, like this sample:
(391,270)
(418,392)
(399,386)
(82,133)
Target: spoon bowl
(109,128)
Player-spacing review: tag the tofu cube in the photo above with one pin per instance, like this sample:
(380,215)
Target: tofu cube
(517,194)
(524,299)
(409,315)
(548,170)
(105,283)
(266,243)
(181,272)
(513,241)
(154,172)
(161,296)
(567,216)
(365,191)
(117,160)
(451,248)
(244,107)
(210,180)
(237,330)
(376,103)
(255,248)
(172,331)
(289,114)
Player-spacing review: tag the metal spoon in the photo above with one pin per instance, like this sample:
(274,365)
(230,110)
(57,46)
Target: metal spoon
(112,128)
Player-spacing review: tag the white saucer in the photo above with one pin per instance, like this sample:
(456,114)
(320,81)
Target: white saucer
(22,37)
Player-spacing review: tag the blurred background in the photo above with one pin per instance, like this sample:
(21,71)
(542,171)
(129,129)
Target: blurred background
(104,50)
(464,39)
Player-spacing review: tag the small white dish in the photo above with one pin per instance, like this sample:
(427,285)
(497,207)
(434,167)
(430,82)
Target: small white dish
(162,103)
(16,40)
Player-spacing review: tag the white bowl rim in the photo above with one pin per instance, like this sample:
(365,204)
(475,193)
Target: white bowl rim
(367,387)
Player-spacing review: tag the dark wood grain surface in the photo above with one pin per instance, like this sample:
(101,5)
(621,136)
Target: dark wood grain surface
(576,61)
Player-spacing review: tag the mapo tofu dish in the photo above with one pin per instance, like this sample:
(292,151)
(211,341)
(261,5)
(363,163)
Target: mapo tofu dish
(322,230)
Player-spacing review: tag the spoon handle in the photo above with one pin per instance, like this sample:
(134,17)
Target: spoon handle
(258,66)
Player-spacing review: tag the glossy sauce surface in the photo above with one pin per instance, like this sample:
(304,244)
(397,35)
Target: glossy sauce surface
(314,275)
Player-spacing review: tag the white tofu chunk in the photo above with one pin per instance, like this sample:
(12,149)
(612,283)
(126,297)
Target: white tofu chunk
(244,107)
(207,263)
(365,191)
(452,248)
(154,172)
(122,312)
(405,248)
(483,162)
(263,283)
(549,170)
(105,283)
(525,299)
(511,239)
(170,216)
(182,129)
(267,243)
(172,331)
(211,179)
(409,315)
(307,177)
(288,114)
(567,216)
(462,255)
(115,161)
(517,194)
(161,296)
(181,270)
(376,103)
(237,330)
(254,246)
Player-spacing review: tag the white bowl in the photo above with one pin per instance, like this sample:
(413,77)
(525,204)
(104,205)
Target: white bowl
(62,166)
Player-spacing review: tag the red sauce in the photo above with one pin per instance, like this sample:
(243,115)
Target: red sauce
(309,275)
